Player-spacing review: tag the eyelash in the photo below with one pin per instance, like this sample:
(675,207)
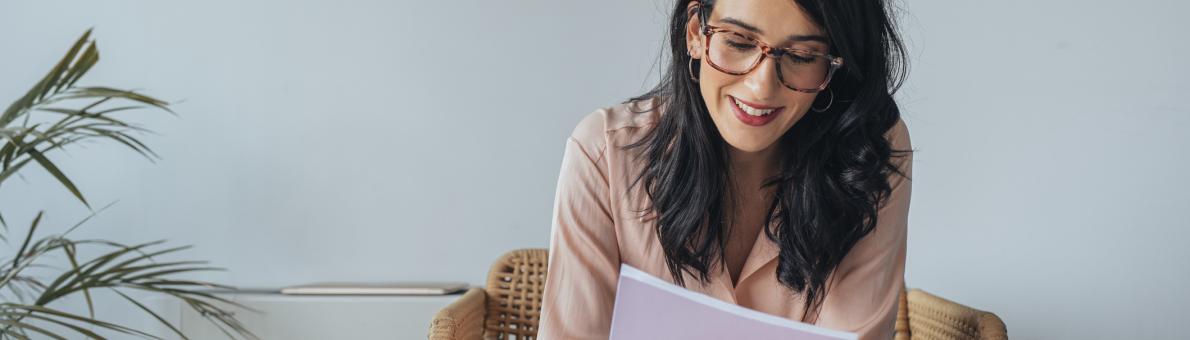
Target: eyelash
(794,56)
(800,58)
(741,47)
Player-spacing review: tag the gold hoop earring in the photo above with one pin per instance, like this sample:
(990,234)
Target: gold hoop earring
(828,104)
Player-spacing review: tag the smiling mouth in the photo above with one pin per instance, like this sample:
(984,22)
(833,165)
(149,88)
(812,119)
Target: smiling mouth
(751,110)
(753,114)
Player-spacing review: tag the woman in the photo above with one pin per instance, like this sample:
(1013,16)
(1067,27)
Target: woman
(769,169)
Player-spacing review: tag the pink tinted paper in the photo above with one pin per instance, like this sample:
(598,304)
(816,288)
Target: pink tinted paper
(649,308)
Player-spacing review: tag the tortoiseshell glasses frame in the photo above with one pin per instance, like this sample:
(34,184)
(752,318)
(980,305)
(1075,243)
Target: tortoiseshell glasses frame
(767,51)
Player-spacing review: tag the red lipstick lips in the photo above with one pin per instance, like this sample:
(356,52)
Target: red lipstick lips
(750,119)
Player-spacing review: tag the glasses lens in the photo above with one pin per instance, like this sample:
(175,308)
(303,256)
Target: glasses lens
(736,54)
(803,71)
(733,53)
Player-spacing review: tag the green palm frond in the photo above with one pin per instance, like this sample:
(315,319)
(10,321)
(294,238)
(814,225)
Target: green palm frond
(33,127)
(120,268)
(24,139)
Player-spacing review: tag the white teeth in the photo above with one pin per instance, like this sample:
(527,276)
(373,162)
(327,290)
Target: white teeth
(749,110)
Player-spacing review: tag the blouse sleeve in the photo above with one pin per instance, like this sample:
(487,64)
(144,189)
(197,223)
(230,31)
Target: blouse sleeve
(584,257)
(868,282)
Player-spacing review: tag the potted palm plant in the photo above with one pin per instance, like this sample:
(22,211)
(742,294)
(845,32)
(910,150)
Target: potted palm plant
(55,114)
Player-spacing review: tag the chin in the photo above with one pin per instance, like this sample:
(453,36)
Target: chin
(749,144)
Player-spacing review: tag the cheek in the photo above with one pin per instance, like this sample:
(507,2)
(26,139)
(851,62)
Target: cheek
(713,85)
(799,104)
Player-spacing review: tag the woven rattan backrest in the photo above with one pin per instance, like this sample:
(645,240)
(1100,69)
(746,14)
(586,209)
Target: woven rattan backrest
(935,318)
(901,326)
(514,291)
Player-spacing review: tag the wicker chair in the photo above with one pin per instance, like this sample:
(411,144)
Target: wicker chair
(924,316)
(509,308)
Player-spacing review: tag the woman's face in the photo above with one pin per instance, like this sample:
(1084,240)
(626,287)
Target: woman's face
(770,22)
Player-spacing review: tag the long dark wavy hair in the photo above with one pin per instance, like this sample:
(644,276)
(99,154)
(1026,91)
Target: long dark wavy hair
(834,167)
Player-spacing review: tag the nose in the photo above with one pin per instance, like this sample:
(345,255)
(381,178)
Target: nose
(763,81)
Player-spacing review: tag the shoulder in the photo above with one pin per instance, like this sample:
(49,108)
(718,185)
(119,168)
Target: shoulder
(902,152)
(606,125)
(898,136)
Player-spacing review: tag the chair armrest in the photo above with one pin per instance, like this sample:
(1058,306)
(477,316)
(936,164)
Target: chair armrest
(991,327)
(462,319)
(902,324)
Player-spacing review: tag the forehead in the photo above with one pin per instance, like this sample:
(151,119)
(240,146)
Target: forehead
(776,18)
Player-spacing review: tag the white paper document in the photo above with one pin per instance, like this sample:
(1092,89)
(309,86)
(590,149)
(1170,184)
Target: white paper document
(650,308)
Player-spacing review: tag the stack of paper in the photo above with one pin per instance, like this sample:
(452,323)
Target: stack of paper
(650,308)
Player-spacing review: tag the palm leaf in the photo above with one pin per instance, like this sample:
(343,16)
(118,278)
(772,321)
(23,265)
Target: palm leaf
(53,170)
(61,318)
(58,85)
(22,325)
(61,286)
(154,314)
(4,226)
(84,64)
(121,266)
(105,92)
(15,326)
(71,254)
(29,236)
(51,80)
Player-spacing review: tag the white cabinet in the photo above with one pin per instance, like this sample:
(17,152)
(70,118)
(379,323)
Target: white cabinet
(316,317)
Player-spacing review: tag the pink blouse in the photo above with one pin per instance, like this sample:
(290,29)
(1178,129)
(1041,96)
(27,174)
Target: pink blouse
(597,226)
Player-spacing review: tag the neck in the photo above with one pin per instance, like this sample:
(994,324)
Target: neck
(749,200)
(750,169)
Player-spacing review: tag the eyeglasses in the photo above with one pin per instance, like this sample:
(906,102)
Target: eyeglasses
(799,70)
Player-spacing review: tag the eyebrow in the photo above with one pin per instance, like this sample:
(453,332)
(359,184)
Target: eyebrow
(790,38)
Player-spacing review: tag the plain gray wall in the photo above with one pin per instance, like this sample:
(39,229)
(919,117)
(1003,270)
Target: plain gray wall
(417,140)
